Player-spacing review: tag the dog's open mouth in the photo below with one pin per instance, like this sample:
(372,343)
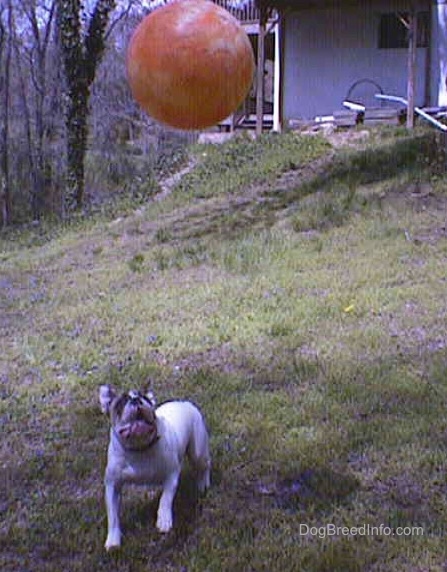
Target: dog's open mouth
(138,428)
(135,423)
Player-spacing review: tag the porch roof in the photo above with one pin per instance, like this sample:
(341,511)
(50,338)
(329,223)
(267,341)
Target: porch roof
(307,4)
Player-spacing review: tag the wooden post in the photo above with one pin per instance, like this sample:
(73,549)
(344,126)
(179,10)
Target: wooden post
(411,80)
(260,71)
(277,119)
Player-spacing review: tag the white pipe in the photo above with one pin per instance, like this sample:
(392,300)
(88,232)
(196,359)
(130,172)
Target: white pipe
(324,118)
(418,110)
(354,106)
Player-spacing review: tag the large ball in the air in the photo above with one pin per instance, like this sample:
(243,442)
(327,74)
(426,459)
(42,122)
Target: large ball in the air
(190,64)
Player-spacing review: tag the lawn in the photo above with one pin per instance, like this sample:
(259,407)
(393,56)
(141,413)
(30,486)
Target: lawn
(295,288)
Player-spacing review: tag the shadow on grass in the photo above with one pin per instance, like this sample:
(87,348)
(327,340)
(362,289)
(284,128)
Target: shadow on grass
(336,182)
(139,512)
(408,154)
(333,179)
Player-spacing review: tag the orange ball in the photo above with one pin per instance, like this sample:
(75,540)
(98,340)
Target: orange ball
(190,64)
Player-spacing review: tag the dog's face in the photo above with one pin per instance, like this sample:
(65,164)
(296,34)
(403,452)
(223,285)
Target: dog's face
(132,416)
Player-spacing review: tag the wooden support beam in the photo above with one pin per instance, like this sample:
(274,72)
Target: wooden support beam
(411,79)
(260,70)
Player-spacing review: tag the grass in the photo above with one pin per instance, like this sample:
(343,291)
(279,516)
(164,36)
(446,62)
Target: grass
(293,289)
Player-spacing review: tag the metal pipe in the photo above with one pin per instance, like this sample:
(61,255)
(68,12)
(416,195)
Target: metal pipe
(417,110)
(353,106)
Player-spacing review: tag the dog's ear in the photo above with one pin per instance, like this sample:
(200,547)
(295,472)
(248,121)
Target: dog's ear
(151,398)
(106,396)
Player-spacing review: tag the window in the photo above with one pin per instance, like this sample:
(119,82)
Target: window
(394,34)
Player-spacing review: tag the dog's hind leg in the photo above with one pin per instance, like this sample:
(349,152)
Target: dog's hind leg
(204,478)
(199,455)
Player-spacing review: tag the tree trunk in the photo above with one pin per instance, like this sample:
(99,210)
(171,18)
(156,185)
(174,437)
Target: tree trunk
(5,194)
(42,34)
(81,54)
(77,136)
(34,148)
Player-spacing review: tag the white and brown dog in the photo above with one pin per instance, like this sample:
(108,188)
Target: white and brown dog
(147,446)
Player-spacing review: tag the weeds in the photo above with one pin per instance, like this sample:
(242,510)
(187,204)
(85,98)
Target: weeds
(246,162)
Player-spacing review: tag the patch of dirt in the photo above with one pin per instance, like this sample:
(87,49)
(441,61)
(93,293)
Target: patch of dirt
(167,185)
(316,487)
(407,500)
(222,358)
(348,137)
(420,198)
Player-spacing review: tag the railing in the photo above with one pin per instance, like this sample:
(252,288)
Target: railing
(418,110)
(243,10)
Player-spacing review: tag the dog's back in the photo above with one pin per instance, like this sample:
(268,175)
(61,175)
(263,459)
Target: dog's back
(187,422)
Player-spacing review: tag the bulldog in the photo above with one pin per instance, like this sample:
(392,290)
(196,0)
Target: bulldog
(147,446)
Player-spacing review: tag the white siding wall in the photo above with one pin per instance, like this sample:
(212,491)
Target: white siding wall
(326,51)
(439,53)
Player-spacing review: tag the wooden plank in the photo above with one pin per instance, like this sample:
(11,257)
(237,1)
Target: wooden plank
(381,113)
(346,118)
(382,121)
(392,117)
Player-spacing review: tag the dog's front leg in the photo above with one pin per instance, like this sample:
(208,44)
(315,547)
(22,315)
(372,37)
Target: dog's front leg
(113,501)
(164,515)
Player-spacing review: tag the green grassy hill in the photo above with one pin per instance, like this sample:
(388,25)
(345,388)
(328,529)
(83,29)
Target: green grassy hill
(295,288)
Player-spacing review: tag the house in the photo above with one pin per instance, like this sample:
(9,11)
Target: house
(327,51)
(337,50)
(249,14)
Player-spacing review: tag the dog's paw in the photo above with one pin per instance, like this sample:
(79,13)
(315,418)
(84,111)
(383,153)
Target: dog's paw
(164,523)
(113,541)
(204,481)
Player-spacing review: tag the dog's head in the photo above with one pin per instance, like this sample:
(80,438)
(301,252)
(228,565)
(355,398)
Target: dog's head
(132,416)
